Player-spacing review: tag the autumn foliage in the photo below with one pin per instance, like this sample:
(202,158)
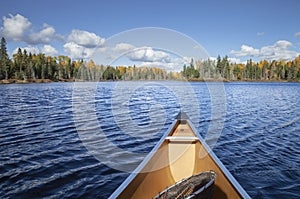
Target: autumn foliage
(26,66)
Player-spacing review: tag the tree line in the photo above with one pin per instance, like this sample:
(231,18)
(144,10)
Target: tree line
(223,69)
(25,66)
(28,66)
(91,72)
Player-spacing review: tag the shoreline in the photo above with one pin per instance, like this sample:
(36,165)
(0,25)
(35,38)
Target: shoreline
(245,80)
(28,81)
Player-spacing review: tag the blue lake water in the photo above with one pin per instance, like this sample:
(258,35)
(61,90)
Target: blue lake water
(54,144)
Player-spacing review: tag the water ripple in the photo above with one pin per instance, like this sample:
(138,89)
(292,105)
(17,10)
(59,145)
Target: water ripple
(42,155)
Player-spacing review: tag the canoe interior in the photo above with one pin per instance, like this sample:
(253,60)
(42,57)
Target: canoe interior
(174,160)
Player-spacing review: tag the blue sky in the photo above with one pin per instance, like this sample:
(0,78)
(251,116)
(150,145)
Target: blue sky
(240,29)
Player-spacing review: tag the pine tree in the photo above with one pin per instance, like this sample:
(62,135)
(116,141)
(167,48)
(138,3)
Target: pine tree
(219,66)
(19,64)
(4,60)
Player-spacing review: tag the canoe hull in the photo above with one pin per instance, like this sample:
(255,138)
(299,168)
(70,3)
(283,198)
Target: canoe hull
(180,153)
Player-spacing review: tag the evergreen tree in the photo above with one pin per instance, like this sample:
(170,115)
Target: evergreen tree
(110,73)
(184,70)
(272,67)
(225,68)
(219,66)
(19,63)
(264,70)
(4,61)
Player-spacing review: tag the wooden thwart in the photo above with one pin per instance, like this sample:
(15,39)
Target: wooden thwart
(182,138)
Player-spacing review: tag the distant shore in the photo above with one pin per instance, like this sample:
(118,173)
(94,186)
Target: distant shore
(17,81)
(244,80)
(27,81)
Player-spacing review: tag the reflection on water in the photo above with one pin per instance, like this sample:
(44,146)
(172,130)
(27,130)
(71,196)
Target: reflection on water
(42,154)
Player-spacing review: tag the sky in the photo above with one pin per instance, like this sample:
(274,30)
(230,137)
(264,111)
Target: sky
(265,29)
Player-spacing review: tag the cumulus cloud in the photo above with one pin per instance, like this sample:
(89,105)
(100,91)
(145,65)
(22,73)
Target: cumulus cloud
(147,54)
(230,59)
(280,50)
(49,50)
(29,49)
(85,39)
(18,28)
(166,66)
(174,64)
(77,51)
(260,33)
(14,27)
(123,47)
(82,44)
(282,44)
(245,51)
(46,49)
(42,37)
(212,58)
(297,34)
(234,60)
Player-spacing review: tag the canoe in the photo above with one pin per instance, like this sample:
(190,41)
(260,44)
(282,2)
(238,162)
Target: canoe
(180,154)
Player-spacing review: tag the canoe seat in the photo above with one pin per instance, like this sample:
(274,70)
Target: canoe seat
(182,138)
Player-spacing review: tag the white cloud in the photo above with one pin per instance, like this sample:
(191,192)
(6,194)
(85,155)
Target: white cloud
(77,51)
(123,47)
(175,63)
(85,39)
(230,59)
(234,60)
(297,34)
(42,37)
(245,51)
(18,28)
(283,44)
(167,66)
(147,54)
(212,58)
(14,27)
(260,33)
(29,49)
(46,49)
(49,50)
(82,44)
(280,50)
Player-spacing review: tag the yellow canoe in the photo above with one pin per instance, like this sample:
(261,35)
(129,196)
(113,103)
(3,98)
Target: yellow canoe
(179,154)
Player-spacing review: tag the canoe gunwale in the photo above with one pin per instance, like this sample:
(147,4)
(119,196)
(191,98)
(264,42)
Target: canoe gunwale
(121,188)
(232,180)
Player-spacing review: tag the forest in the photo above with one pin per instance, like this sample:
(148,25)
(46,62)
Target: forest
(27,67)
